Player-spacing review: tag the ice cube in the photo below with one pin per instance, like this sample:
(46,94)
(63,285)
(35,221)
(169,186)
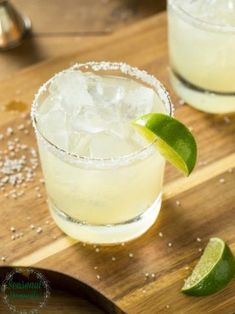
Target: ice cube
(107,94)
(95,87)
(137,102)
(213,11)
(79,143)
(71,88)
(53,126)
(88,121)
(53,120)
(120,129)
(107,145)
(105,89)
(60,139)
(50,103)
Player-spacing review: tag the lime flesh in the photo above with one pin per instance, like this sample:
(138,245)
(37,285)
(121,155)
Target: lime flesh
(173,139)
(213,271)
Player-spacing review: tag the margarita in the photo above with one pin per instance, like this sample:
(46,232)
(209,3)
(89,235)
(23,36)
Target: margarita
(103,179)
(202,53)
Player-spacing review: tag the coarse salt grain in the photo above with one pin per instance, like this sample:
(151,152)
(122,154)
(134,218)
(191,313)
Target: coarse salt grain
(23,115)
(21,127)
(227,120)
(39,230)
(11,147)
(9,131)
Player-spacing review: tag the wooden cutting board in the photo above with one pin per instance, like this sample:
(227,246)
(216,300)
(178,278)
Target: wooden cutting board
(200,206)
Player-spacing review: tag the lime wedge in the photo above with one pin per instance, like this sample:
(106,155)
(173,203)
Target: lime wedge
(214,270)
(174,140)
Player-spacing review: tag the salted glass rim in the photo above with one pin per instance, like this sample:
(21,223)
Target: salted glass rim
(198,21)
(124,68)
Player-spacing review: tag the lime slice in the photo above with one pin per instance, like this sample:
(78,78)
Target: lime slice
(174,140)
(214,270)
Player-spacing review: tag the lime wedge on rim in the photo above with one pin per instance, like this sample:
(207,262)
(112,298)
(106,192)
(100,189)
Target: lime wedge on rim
(214,270)
(174,140)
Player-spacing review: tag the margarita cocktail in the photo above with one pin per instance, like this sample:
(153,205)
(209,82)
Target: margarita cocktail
(103,179)
(202,53)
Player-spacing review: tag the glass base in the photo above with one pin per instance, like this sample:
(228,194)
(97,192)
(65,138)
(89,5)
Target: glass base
(106,234)
(203,100)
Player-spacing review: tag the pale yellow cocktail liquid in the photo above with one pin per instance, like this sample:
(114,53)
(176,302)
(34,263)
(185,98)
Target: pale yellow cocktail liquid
(104,181)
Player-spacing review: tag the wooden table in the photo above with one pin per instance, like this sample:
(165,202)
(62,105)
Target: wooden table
(200,206)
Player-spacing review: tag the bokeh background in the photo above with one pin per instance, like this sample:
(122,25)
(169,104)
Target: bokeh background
(61,26)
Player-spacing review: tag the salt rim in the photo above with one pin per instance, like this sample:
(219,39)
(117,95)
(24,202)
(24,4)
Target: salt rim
(102,162)
(199,22)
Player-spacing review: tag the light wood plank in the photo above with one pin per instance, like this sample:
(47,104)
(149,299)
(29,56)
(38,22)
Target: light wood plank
(206,204)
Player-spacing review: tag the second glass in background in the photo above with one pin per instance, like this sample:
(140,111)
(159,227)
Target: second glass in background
(202,53)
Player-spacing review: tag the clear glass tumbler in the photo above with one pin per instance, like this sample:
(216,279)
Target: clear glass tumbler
(201,36)
(103,200)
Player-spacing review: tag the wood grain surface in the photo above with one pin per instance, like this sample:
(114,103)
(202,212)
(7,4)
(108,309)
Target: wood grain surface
(85,16)
(68,25)
(200,206)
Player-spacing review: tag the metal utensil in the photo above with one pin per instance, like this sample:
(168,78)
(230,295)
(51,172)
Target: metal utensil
(13,26)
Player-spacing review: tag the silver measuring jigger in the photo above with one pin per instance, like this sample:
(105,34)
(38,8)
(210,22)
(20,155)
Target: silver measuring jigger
(13,26)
